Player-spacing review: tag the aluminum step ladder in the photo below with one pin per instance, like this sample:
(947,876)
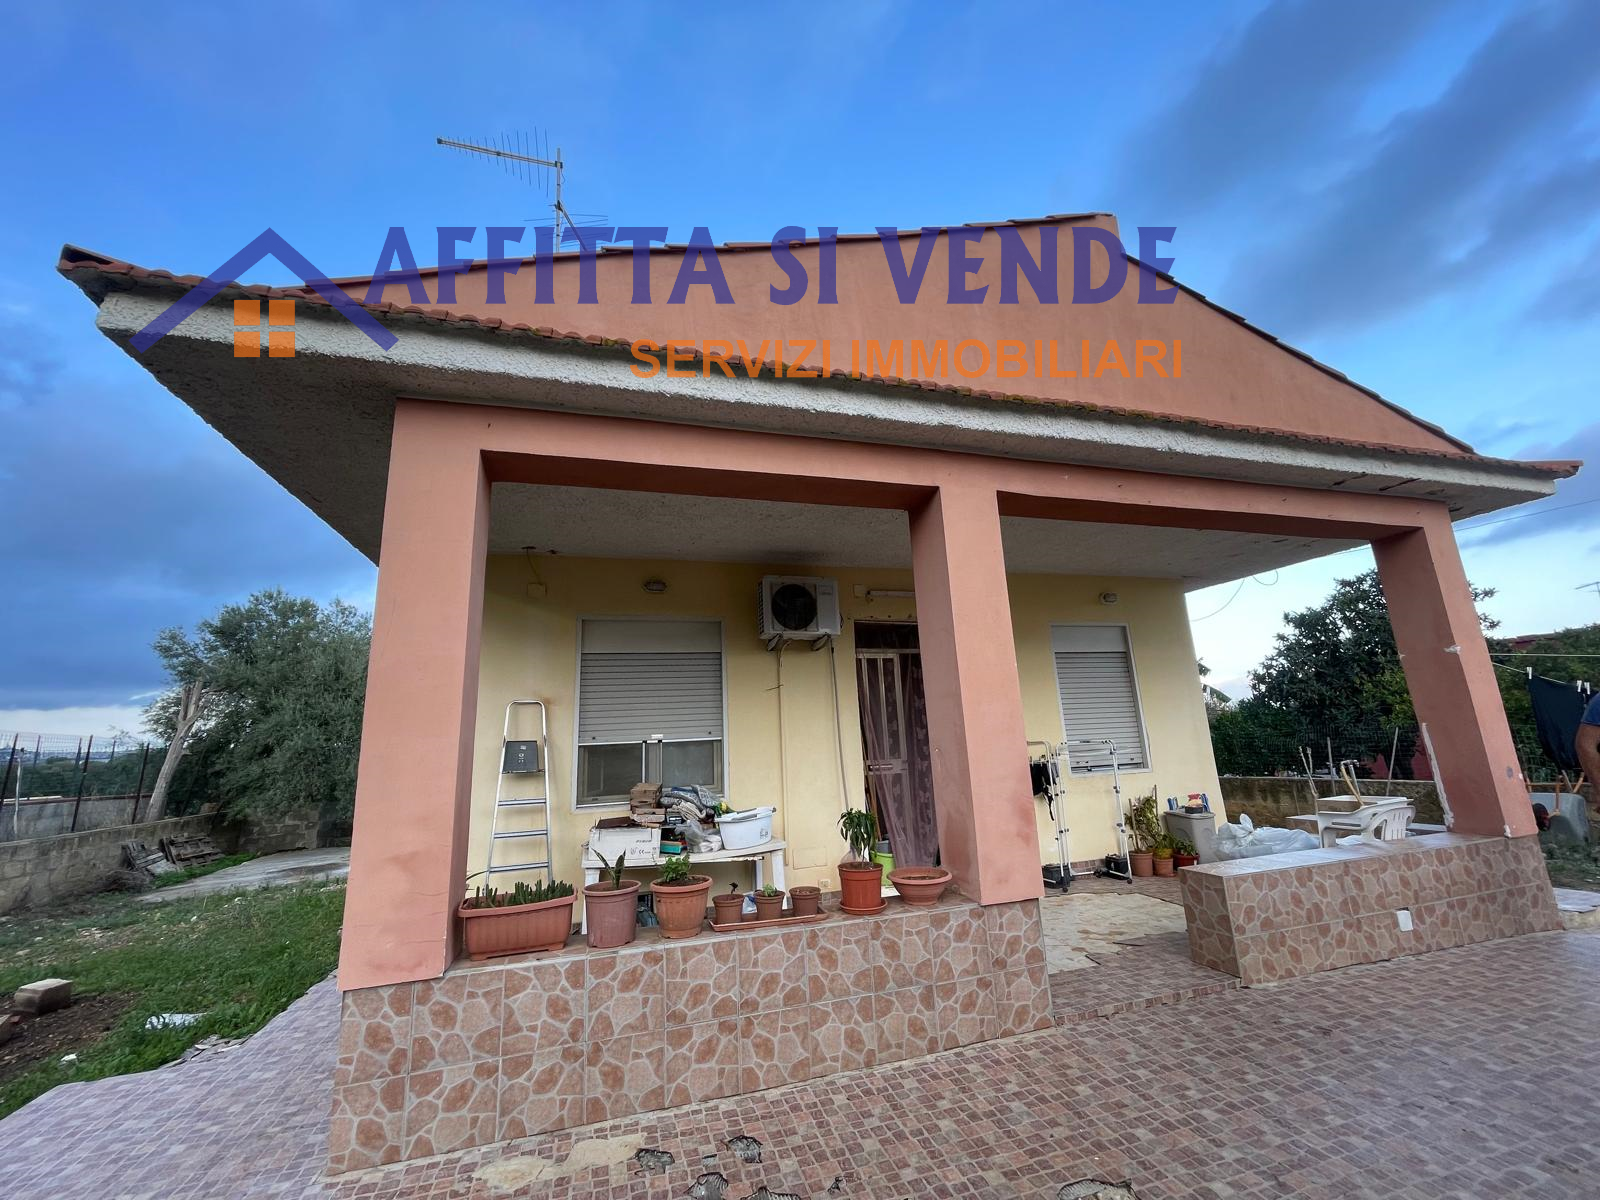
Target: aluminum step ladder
(521,758)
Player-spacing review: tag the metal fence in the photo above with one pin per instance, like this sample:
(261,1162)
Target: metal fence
(1264,747)
(62,783)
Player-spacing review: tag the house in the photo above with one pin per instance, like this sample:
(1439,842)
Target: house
(559,511)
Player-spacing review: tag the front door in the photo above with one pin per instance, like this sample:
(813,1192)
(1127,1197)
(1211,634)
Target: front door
(894,740)
(880,684)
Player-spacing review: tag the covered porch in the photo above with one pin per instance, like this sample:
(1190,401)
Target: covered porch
(458,419)
(423,687)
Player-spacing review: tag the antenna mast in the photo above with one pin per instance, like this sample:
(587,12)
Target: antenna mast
(510,156)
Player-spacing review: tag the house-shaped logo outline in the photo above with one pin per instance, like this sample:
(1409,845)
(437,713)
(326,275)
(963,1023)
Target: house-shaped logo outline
(267,242)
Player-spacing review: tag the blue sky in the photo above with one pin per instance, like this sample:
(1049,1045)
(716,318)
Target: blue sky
(1409,191)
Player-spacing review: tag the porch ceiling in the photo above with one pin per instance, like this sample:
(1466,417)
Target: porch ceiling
(320,422)
(605,523)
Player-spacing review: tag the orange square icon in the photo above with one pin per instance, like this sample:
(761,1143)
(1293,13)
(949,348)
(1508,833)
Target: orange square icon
(248,328)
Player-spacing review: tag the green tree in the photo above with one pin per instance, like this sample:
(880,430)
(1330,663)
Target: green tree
(285,679)
(1567,655)
(1333,672)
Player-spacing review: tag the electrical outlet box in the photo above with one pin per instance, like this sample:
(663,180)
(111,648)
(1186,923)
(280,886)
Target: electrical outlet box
(1403,917)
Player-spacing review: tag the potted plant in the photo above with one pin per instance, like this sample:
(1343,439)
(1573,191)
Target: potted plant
(920,885)
(1183,853)
(805,900)
(612,905)
(1145,828)
(520,921)
(680,897)
(1162,852)
(769,903)
(860,879)
(729,906)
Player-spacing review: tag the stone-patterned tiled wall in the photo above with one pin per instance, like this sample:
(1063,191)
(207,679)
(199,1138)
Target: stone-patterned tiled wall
(1266,919)
(506,1050)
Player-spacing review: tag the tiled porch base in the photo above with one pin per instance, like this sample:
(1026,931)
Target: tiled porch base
(1285,915)
(496,1051)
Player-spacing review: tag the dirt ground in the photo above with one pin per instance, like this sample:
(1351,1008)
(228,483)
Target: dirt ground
(65,1031)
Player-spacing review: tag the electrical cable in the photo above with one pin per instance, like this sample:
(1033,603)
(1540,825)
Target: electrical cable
(1225,604)
(1524,516)
(838,724)
(783,758)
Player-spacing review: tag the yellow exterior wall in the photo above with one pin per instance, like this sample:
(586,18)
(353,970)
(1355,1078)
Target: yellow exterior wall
(532,608)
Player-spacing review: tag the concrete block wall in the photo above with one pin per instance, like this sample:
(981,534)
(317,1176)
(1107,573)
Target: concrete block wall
(273,834)
(1272,799)
(39,870)
(51,816)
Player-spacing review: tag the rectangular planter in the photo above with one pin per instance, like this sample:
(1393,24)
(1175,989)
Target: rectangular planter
(517,928)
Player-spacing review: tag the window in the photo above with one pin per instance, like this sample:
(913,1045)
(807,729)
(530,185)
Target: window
(1099,696)
(649,706)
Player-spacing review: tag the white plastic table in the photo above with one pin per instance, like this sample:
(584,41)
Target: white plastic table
(768,856)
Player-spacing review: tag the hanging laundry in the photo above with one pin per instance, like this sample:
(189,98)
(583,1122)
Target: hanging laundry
(1557,711)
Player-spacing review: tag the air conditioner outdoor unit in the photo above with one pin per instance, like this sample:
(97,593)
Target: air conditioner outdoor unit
(797,606)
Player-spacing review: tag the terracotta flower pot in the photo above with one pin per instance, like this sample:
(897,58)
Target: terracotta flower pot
(1185,860)
(1142,862)
(769,908)
(920,885)
(517,928)
(612,912)
(729,908)
(861,888)
(1163,866)
(806,901)
(681,907)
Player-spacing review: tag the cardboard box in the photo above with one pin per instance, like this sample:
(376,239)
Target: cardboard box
(641,844)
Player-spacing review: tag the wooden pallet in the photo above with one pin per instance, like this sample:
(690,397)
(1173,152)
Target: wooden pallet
(190,851)
(150,862)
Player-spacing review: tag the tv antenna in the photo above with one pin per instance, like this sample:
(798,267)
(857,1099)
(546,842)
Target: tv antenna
(513,151)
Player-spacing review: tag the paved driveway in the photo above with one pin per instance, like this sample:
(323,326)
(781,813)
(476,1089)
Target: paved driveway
(1466,1073)
(270,870)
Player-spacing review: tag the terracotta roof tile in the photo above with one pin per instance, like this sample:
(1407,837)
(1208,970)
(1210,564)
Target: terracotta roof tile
(83,267)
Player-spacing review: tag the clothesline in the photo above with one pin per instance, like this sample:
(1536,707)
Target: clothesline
(1548,654)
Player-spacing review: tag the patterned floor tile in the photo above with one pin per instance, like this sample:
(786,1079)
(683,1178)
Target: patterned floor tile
(1171,1098)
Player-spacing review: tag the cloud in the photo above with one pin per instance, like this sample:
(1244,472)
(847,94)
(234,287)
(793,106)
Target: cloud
(126,514)
(1574,296)
(1575,506)
(1422,213)
(1261,101)
(100,720)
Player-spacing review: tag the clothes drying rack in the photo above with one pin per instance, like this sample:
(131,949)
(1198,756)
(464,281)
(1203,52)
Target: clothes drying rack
(1055,800)
(1116,867)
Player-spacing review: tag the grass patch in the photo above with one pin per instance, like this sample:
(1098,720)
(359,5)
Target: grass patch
(215,865)
(1573,866)
(240,960)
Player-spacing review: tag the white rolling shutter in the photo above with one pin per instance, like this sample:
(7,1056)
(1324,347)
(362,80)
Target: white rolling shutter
(643,679)
(1099,695)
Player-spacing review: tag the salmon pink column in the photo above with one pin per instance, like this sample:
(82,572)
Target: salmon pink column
(1452,681)
(981,791)
(408,852)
